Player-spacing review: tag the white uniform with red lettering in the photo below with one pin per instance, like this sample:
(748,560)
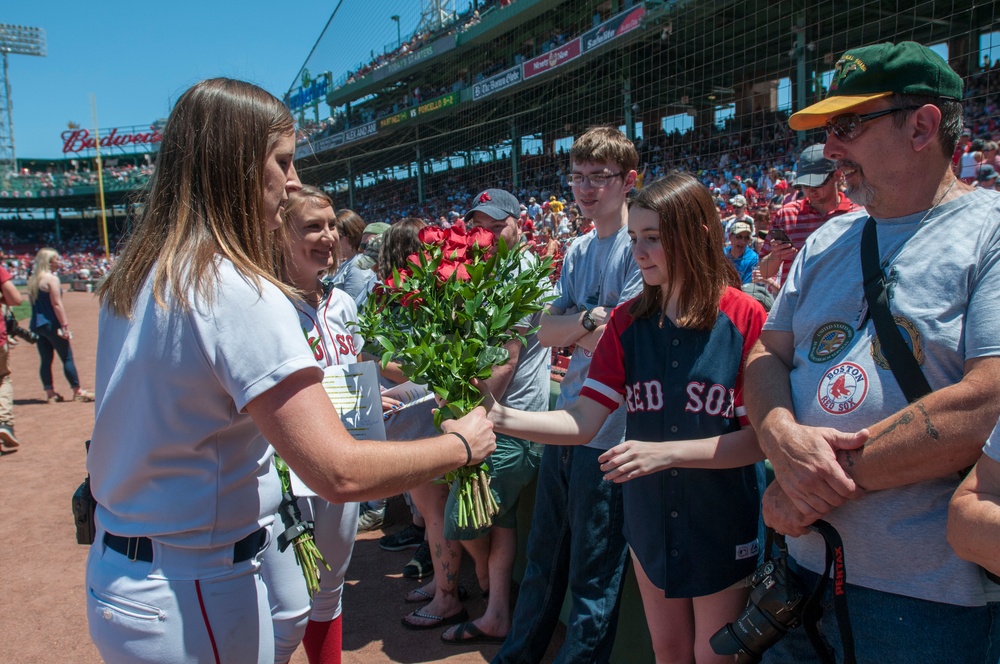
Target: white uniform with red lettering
(183,476)
(332,343)
(336,525)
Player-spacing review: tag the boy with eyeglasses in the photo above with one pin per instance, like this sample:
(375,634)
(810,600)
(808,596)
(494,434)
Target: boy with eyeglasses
(823,200)
(576,540)
(893,117)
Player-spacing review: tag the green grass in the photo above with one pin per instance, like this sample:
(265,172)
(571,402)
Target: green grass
(22,311)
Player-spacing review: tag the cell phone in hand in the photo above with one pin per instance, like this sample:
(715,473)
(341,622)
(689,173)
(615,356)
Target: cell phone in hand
(779,235)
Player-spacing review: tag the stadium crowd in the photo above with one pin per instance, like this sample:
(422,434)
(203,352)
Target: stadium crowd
(749,174)
(27,183)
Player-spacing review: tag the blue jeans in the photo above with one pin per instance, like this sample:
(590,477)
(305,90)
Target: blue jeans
(49,341)
(576,541)
(891,629)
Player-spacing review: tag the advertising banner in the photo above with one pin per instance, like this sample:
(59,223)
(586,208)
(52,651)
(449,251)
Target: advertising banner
(614,27)
(496,83)
(308,96)
(336,140)
(442,45)
(78,140)
(557,57)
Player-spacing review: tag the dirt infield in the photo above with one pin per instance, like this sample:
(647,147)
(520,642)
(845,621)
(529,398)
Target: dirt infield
(42,601)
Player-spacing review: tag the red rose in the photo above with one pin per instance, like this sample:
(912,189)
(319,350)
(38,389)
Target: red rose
(412,299)
(455,247)
(448,268)
(432,235)
(481,237)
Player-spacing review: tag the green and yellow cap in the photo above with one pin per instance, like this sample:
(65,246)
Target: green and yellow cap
(873,72)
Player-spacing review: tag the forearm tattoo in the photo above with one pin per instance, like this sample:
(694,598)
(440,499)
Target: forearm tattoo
(907,417)
(928,425)
(904,418)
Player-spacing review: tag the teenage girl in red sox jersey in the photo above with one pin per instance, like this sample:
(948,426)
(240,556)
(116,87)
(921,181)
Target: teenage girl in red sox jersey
(675,356)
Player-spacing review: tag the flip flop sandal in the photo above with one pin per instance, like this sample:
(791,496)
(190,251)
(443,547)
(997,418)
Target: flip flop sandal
(468,634)
(421,596)
(459,617)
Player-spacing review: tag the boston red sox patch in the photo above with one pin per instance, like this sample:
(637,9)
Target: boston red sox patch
(843,388)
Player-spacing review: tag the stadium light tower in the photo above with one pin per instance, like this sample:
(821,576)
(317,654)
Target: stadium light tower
(16,40)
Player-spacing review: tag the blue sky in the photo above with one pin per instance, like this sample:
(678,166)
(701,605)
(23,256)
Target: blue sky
(138,57)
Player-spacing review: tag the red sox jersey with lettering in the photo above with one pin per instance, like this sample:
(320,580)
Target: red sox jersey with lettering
(694,531)
(326,328)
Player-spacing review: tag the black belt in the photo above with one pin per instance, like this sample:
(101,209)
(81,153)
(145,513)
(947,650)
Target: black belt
(141,548)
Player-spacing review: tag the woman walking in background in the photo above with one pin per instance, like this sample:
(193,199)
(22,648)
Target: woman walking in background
(49,322)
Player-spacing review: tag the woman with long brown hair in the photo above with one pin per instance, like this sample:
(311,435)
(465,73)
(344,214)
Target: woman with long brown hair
(201,369)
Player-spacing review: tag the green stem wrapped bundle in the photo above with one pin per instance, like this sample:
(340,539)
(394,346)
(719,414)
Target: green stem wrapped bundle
(297,532)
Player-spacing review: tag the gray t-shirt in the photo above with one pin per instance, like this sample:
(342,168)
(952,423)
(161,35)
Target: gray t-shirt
(528,388)
(596,272)
(945,295)
(992,447)
(354,280)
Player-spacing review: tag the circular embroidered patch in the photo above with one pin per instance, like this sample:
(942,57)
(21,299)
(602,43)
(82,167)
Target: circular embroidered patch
(843,388)
(828,342)
(911,336)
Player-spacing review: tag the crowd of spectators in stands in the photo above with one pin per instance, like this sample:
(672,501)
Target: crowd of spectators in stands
(28,183)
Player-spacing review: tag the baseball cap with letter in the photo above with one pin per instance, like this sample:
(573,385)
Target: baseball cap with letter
(881,70)
(496,203)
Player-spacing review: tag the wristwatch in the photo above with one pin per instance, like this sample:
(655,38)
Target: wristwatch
(588,322)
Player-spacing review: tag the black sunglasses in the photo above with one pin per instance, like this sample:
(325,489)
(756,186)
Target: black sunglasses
(847,126)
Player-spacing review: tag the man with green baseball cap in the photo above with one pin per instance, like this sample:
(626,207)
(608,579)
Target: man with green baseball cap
(876,72)
(847,444)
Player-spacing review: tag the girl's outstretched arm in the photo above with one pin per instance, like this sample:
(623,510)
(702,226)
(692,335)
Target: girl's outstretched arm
(635,458)
(576,425)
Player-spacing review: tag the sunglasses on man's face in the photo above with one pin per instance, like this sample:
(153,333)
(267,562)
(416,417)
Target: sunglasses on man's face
(848,126)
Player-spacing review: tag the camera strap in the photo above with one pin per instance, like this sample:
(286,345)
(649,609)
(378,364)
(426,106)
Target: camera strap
(812,611)
(901,360)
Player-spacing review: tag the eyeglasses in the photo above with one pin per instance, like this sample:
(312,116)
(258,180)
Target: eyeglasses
(847,127)
(597,180)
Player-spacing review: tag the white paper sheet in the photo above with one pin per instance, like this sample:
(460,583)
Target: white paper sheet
(355,393)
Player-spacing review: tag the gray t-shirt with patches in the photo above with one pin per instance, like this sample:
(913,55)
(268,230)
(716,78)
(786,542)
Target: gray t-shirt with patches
(596,272)
(945,295)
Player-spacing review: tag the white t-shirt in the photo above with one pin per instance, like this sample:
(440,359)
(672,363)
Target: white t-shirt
(173,454)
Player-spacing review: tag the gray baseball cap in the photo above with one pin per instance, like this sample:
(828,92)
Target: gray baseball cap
(497,203)
(814,168)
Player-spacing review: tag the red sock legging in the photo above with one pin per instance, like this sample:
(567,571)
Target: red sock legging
(323,641)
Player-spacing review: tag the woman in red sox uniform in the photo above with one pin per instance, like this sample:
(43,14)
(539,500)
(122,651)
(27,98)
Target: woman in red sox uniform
(675,356)
(310,249)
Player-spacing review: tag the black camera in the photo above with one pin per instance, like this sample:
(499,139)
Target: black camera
(15,330)
(776,605)
(84,506)
(83,513)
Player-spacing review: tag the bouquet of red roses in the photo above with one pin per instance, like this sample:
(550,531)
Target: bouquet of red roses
(445,320)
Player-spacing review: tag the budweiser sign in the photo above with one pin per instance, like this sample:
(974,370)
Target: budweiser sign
(77,140)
